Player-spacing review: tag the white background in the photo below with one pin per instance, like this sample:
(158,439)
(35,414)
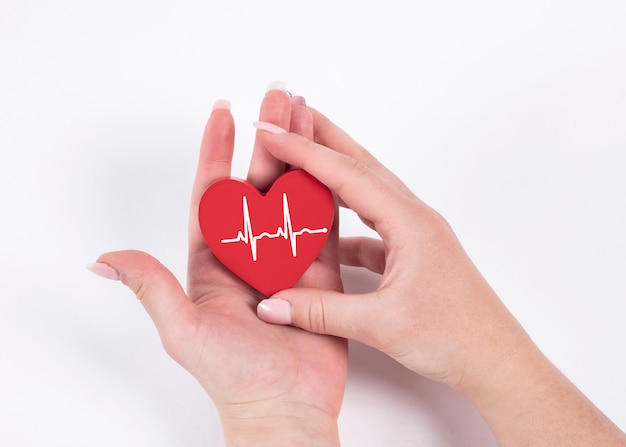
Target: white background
(507,117)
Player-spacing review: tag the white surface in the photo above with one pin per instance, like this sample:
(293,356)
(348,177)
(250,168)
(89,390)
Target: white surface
(508,117)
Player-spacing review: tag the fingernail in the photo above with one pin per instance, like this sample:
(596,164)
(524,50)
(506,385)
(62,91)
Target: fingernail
(276,85)
(269,127)
(298,101)
(221,104)
(104,270)
(275,311)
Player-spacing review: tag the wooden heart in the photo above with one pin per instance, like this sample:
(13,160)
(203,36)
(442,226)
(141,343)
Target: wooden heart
(267,240)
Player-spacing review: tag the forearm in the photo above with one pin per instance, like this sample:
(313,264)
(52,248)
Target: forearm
(528,401)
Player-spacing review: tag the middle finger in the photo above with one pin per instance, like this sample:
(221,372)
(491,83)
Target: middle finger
(275,109)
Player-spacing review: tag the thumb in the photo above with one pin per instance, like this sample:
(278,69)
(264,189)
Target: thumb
(154,285)
(319,311)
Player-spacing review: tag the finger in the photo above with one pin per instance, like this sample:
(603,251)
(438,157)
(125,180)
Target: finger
(302,124)
(362,252)
(330,135)
(275,109)
(157,289)
(215,159)
(358,186)
(301,118)
(323,312)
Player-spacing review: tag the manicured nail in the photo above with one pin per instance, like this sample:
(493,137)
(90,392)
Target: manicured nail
(221,104)
(269,127)
(275,311)
(276,85)
(298,101)
(104,270)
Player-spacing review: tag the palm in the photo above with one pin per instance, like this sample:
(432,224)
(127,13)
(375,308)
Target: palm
(238,358)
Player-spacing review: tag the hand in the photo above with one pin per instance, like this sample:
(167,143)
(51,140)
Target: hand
(272,385)
(432,303)
(433,311)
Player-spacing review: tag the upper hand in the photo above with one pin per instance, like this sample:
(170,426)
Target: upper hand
(432,311)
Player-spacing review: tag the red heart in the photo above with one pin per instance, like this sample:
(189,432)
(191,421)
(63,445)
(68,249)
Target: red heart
(267,240)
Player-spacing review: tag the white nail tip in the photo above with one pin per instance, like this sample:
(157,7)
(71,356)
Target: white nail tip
(277,85)
(269,127)
(221,104)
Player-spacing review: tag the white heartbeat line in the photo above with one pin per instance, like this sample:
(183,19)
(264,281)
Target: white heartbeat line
(286,231)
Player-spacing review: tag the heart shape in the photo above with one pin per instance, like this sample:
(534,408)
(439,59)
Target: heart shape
(267,240)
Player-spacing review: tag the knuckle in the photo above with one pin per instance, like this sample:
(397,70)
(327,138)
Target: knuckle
(310,147)
(355,167)
(144,284)
(317,315)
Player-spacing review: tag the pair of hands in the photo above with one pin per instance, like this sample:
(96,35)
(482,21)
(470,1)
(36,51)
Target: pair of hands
(276,384)
(265,377)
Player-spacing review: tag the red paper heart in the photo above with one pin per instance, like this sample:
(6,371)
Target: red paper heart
(267,240)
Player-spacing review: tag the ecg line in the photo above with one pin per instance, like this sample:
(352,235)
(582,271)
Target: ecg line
(286,231)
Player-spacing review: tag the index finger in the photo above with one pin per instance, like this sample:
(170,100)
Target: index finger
(359,187)
(331,135)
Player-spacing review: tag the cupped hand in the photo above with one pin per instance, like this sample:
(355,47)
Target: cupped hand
(277,382)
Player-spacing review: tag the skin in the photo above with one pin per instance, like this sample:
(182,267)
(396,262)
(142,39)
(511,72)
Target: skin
(275,384)
(433,311)
(272,385)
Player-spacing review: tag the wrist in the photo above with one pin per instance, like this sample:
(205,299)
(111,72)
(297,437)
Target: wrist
(500,377)
(526,400)
(263,424)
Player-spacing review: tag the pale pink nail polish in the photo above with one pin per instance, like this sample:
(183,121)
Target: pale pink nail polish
(104,270)
(297,101)
(275,311)
(221,104)
(269,127)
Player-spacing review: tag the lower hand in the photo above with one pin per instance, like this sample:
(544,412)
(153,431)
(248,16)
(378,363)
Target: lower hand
(272,385)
